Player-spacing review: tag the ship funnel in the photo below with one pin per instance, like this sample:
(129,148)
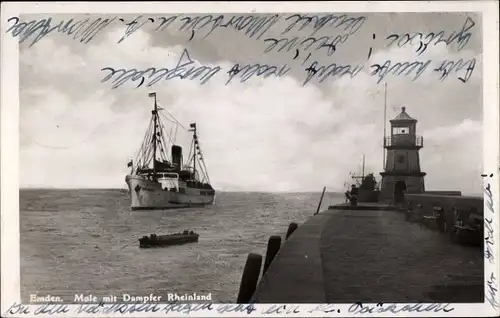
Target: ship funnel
(177,156)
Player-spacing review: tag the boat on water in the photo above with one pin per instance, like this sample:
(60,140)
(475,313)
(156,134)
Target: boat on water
(168,240)
(162,180)
(364,188)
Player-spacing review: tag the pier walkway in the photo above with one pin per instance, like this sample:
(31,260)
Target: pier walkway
(364,255)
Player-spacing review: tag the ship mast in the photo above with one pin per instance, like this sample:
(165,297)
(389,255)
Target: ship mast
(362,177)
(156,138)
(195,146)
(155,123)
(385,125)
(363,172)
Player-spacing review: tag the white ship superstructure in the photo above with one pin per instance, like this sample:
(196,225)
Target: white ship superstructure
(161,180)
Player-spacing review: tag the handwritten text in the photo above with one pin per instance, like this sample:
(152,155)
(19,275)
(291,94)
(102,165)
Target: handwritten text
(422,41)
(185,69)
(300,34)
(359,308)
(491,284)
(82,30)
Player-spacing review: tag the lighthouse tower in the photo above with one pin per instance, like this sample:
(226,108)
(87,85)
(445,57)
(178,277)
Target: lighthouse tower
(402,167)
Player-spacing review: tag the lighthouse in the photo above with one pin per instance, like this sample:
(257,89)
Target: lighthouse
(402,172)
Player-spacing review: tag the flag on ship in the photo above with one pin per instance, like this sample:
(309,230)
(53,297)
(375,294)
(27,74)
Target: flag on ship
(156,165)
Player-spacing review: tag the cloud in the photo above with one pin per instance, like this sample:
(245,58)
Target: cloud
(263,135)
(458,150)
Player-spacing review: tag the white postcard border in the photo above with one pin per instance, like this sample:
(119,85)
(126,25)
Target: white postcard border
(10,263)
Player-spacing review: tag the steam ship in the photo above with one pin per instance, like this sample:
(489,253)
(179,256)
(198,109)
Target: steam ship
(160,181)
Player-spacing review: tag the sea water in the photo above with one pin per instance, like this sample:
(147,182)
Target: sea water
(76,242)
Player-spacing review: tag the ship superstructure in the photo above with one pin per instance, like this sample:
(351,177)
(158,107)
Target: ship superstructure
(159,176)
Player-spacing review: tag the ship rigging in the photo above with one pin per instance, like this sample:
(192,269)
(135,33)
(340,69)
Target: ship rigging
(160,177)
(153,158)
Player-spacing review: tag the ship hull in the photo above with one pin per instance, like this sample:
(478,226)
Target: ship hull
(148,195)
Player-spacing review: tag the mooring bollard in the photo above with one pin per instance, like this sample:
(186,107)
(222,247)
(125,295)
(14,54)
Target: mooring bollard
(249,278)
(273,246)
(291,228)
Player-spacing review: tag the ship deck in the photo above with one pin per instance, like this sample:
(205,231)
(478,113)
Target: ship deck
(371,254)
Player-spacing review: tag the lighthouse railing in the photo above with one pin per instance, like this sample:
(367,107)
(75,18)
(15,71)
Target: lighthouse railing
(403,141)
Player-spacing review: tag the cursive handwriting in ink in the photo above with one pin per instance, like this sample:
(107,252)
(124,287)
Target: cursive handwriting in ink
(251,26)
(133,26)
(238,308)
(52,309)
(199,22)
(323,72)
(350,24)
(130,308)
(359,308)
(492,290)
(287,44)
(90,308)
(415,68)
(248,71)
(448,67)
(489,203)
(325,308)
(186,308)
(185,69)
(491,284)
(281,309)
(17,309)
(422,41)
(347,25)
(165,22)
(84,30)
(488,225)
(370,50)
(489,240)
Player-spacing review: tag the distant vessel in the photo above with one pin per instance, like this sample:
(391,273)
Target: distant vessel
(160,181)
(168,240)
(367,188)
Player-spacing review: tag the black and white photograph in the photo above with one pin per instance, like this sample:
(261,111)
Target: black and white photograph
(273,155)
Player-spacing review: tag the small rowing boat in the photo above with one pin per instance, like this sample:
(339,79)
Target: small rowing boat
(168,240)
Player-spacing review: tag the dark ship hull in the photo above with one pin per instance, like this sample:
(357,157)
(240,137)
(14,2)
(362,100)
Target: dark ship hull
(366,190)
(371,196)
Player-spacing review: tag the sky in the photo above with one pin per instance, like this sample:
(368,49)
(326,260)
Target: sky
(266,134)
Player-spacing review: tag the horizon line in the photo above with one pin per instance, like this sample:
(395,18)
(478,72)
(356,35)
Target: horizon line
(229,191)
(256,191)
